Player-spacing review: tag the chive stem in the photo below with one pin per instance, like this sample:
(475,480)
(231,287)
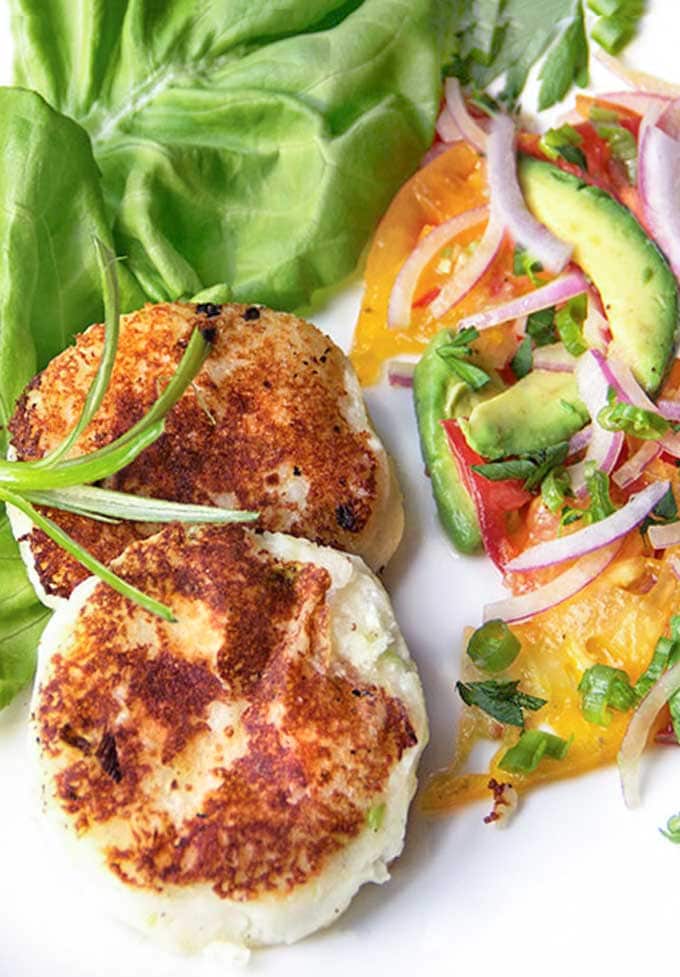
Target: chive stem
(90,562)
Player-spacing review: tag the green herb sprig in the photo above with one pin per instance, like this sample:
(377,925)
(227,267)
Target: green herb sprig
(61,482)
(456,355)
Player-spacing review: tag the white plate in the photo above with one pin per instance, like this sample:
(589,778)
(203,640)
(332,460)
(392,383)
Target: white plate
(577,883)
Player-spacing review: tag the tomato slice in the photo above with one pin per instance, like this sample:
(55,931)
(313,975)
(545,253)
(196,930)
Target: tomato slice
(494,501)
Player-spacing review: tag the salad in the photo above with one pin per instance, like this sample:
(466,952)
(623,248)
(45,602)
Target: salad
(535,274)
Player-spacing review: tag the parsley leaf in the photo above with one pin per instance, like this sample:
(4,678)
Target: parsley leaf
(500,700)
(566,63)
(523,359)
(541,327)
(455,356)
(524,264)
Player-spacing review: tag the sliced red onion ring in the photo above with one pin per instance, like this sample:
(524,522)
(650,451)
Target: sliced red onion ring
(640,102)
(670,409)
(638,731)
(605,446)
(675,566)
(446,127)
(638,80)
(562,288)
(468,128)
(401,296)
(658,180)
(661,537)
(580,440)
(568,584)
(592,537)
(400,373)
(464,279)
(555,358)
(671,444)
(631,470)
(620,377)
(508,202)
(595,327)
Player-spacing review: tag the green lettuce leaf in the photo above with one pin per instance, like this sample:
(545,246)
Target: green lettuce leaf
(255,145)
(51,204)
(22,619)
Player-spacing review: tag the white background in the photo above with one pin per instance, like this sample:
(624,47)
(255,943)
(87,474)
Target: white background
(577,884)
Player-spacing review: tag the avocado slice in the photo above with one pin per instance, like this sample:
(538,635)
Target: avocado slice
(637,286)
(439,394)
(541,409)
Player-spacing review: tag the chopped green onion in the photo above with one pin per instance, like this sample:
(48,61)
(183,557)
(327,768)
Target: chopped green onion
(502,701)
(493,647)
(565,142)
(672,830)
(569,322)
(67,543)
(641,423)
(555,488)
(603,688)
(530,749)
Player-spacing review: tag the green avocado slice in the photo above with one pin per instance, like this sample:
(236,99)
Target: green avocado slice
(541,409)
(439,394)
(636,284)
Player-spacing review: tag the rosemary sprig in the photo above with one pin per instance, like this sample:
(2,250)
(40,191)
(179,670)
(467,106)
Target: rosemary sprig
(62,483)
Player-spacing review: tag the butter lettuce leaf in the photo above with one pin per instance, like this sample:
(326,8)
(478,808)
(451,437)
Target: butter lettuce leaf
(255,145)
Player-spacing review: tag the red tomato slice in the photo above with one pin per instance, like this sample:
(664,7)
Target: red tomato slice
(493,500)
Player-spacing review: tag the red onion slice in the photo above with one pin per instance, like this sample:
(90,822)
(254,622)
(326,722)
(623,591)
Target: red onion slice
(638,731)
(559,290)
(471,131)
(555,358)
(605,446)
(446,127)
(675,565)
(658,180)
(620,377)
(670,409)
(580,440)
(401,296)
(508,202)
(640,102)
(569,583)
(631,470)
(661,537)
(400,373)
(592,537)
(595,327)
(464,279)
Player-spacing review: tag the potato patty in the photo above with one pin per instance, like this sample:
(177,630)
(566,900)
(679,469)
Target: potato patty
(274,421)
(238,774)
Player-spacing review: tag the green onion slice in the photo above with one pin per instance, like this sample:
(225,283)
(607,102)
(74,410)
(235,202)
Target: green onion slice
(530,749)
(603,688)
(493,647)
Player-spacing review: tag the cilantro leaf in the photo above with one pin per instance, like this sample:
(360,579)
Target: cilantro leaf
(524,264)
(499,471)
(567,62)
(532,468)
(523,359)
(455,356)
(541,327)
(501,700)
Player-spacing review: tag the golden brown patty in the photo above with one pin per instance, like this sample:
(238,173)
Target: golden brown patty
(275,421)
(238,751)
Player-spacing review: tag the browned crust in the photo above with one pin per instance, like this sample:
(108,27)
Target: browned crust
(265,411)
(125,705)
